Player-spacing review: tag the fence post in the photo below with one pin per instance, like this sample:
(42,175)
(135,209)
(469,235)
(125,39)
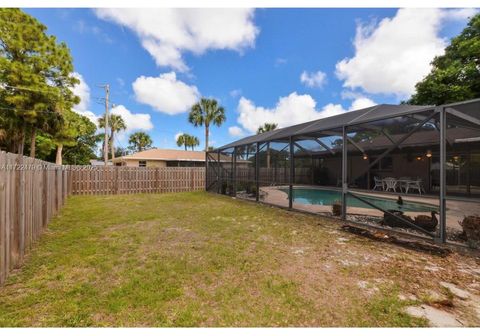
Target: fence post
(3,222)
(45,196)
(19,226)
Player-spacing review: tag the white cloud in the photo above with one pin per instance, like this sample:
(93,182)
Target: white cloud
(460,13)
(83,28)
(89,114)
(166,33)
(81,90)
(165,93)
(280,61)
(361,103)
(178,135)
(235,93)
(120,81)
(313,79)
(393,55)
(133,121)
(291,110)
(235,131)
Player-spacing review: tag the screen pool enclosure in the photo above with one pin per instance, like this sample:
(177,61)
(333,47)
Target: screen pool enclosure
(412,169)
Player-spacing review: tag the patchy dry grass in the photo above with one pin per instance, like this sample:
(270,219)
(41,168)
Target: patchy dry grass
(195,259)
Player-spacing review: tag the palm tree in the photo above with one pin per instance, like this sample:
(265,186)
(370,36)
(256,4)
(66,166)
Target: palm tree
(206,112)
(139,141)
(193,141)
(182,140)
(116,124)
(187,140)
(267,127)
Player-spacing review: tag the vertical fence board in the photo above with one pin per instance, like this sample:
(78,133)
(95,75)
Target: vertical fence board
(93,180)
(33,191)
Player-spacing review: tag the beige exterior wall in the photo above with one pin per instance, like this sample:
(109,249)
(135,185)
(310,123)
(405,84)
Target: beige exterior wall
(150,163)
(156,164)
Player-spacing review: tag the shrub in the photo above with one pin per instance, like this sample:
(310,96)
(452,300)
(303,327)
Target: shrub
(337,208)
(471,228)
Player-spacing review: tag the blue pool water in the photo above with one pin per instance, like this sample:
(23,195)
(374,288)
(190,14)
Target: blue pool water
(328,197)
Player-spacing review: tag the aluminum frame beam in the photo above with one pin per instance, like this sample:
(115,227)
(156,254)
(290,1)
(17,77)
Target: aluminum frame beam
(397,144)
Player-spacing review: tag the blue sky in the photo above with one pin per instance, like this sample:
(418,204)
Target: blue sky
(158,62)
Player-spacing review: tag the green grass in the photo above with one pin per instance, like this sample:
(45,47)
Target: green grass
(194,259)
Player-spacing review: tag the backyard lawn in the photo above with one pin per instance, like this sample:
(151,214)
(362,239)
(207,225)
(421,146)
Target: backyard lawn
(196,259)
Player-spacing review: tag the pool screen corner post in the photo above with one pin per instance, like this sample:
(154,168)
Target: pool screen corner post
(206,170)
(443,177)
(219,174)
(234,172)
(257,173)
(292,174)
(344,173)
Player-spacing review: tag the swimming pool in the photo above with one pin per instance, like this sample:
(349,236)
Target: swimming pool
(328,197)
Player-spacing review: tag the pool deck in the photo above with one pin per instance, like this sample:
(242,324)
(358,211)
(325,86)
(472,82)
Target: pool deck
(456,210)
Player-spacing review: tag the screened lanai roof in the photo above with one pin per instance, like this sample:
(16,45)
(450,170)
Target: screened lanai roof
(369,114)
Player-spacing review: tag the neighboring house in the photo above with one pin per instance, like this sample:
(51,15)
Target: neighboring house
(157,157)
(100,163)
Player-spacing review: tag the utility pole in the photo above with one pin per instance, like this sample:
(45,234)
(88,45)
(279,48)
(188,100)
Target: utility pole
(105,146)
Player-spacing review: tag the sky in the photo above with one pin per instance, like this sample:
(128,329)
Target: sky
(263,65)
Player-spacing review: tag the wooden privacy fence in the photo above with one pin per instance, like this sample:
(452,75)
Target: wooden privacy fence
(31,193)
(101,180)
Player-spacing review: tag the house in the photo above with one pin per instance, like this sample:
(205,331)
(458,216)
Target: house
(95,162)
(158,157)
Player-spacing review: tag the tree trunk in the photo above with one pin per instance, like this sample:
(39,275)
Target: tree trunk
(32,142)
(21,142)
(185,146)
(58,159)
(112,145)
(206,138)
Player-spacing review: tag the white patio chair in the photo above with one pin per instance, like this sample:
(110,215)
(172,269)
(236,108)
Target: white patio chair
(390,184)
(378,183)
(416,185)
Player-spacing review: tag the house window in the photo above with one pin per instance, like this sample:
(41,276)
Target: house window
(142,163)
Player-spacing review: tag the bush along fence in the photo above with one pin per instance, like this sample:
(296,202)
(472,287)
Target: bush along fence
(33,191)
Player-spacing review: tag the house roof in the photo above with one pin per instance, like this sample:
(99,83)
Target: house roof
(361,116)
(159,154)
